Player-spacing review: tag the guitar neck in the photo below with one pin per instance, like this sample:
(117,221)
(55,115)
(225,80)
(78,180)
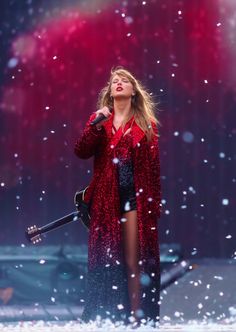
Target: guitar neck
(58,223)
(33,232)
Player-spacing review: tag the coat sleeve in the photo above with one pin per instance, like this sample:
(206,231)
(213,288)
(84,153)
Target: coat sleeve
(88,143)
(155,182)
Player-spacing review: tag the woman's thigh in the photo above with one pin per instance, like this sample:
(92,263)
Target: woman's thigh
(130,238)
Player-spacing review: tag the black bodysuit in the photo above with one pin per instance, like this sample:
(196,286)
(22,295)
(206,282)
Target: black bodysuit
(125,173)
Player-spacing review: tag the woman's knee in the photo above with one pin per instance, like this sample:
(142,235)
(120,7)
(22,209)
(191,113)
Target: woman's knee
(132,266)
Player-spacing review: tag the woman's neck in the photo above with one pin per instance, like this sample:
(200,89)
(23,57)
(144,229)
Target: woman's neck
(122,108)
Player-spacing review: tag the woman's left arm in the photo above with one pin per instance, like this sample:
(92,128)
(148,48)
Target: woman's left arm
(154,158)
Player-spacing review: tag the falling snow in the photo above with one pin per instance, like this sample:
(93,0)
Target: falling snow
(47,96)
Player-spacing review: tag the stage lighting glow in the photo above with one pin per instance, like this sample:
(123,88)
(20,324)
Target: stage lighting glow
(188,137)
(13,62)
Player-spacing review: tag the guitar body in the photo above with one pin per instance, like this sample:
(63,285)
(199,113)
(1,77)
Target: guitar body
(82,207)
(33,233)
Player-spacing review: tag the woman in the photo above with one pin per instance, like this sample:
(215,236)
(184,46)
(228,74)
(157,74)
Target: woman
(124,197)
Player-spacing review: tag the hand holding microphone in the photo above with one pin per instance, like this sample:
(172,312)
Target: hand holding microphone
(101,116)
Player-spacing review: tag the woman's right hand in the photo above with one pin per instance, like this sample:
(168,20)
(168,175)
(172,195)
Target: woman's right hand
(106,112)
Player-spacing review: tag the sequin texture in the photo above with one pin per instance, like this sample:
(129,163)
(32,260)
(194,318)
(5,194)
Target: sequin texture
(105,235)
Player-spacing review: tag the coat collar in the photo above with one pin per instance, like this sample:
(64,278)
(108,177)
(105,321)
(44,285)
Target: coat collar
(137,133)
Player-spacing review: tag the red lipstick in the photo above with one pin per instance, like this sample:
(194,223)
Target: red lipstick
(119,88)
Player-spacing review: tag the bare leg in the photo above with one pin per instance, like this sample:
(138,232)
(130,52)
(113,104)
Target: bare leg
(6,294)
(131,255)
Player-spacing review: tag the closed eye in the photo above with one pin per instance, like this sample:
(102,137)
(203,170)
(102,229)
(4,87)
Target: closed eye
(123,80)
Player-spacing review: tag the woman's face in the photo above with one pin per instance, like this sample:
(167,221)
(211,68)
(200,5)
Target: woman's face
(121,87)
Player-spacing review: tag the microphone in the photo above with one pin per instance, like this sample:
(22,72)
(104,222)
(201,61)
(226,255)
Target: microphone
(99,118)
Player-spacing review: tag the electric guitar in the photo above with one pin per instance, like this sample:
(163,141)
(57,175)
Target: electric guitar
(33,233)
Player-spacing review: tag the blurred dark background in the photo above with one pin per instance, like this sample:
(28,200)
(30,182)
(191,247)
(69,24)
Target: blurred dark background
(55,56)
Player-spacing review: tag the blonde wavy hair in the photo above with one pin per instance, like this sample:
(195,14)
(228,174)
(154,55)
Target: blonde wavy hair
(142,104)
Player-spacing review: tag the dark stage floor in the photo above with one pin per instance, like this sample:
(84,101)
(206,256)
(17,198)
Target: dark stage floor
(197,295)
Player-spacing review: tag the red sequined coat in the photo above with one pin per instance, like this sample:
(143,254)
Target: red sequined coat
(105,229)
